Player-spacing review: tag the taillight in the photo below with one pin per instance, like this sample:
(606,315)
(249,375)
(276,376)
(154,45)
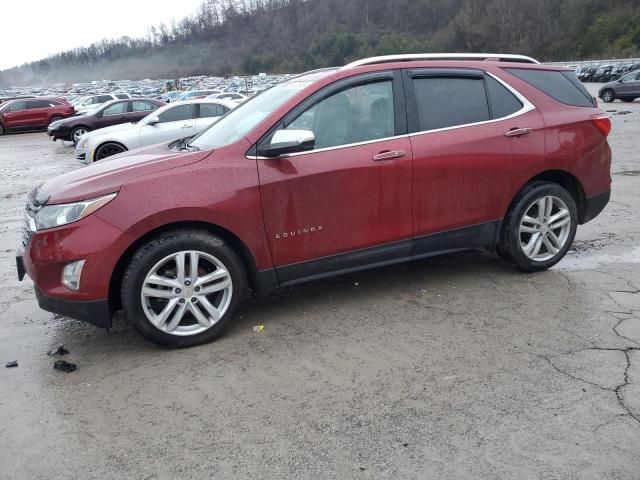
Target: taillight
(603,122)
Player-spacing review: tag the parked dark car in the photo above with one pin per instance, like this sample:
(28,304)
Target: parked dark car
(381,161)
(33,113)
(626,88)
(111,113)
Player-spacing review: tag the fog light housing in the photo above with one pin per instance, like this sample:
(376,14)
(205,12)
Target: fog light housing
(71,275)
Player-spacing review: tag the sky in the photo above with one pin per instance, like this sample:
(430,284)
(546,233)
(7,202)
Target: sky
(34,29)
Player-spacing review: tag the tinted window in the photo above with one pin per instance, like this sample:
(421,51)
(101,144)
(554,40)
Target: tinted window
(17,105)
(115,109)
(357,114)
(448,102)
(211,110)
(122,96)
(104,98)
(139,106)
(38,104)
(177,113)
(557,85)
(503,102)
(92,101)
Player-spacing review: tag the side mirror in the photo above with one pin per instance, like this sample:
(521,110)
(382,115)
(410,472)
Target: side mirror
(288,141)
(153,121)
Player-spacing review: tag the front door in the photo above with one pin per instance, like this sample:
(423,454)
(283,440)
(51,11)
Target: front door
(175,122)
(347,202)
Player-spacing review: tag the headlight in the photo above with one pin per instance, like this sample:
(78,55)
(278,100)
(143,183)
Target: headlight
(56,215)
(84,144)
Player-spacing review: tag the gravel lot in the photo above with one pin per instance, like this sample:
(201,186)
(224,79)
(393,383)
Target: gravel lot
(456,367)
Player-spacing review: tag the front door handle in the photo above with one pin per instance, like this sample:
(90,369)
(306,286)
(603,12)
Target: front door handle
(389,155)
(518,132)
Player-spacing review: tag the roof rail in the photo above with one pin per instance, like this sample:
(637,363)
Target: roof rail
(496,57)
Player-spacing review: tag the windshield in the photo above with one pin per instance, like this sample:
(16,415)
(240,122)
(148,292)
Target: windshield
(240,121)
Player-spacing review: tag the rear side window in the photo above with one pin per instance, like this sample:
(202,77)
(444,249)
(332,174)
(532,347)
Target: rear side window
(211,110)
(558,85)
(449,101)
(503,102)
(139,106)
(122,96)
(38,104)
(177,113)
(104,98)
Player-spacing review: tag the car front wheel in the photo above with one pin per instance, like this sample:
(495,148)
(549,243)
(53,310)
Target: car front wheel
(540,226)
(608,96)
(182,288)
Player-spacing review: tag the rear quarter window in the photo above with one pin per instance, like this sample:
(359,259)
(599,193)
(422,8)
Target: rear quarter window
(503,102)
(561,86)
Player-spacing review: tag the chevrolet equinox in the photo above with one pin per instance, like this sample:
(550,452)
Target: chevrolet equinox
(384,160)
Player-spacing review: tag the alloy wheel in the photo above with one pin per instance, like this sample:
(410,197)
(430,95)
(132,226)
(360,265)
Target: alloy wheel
(77,133)
(544,228)
(186,293)
(109,150)
(608,96)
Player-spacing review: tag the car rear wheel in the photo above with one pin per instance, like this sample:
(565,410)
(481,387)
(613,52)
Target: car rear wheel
(608,96)
(77,132)
(108,150)
(628,100)
(540,226)
(182,288)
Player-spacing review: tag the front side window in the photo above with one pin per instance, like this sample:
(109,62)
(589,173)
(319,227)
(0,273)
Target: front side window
(444,102)
(33,104)
(115,109)
(91,101)
(357,114)
(17,105)
(176,114)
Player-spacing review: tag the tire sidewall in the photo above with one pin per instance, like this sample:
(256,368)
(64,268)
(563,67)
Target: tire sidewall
(104,145)
(519,209)
(150,255)
(73,132)
(606,98)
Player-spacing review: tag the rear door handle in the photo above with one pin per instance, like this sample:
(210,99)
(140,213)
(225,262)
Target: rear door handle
(389,155)
(518,132)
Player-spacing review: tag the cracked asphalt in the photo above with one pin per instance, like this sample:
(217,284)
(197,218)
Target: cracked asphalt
(455,367)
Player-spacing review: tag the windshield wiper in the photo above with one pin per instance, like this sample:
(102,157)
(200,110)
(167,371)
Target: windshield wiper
(183,145)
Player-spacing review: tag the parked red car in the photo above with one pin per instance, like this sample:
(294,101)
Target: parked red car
(384,160)
(33,113)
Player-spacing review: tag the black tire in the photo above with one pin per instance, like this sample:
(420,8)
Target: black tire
(108,150)
(2,130)
(628,100)
(608,96)
(153,252)
(510,239)
(76,130)
(54,119)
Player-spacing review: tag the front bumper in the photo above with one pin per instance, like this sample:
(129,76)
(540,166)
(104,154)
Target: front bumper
(96,312)
(59,134)
(82,154)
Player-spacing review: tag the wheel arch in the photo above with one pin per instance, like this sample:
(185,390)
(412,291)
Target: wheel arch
(566,180)
(255,282)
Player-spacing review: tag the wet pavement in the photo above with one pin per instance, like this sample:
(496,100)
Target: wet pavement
(455,367)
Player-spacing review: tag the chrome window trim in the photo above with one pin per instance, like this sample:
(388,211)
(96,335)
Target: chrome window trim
(527,107)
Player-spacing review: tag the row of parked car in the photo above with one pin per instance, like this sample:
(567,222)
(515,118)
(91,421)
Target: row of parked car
(605,73)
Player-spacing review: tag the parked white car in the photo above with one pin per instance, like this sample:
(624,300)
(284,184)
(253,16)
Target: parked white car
(236,97)
(92,101)
(168,123)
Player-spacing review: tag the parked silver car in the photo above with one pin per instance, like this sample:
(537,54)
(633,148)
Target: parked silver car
(168,123)
(626,88)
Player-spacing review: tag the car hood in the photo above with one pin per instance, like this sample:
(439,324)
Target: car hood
(106,177)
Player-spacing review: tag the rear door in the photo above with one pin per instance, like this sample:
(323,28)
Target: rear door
(347,202)
(175,122)
(38,111)
(140,109)
(474,141)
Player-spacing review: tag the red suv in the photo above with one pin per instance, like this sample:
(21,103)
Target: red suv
(385,160)
(33,113)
